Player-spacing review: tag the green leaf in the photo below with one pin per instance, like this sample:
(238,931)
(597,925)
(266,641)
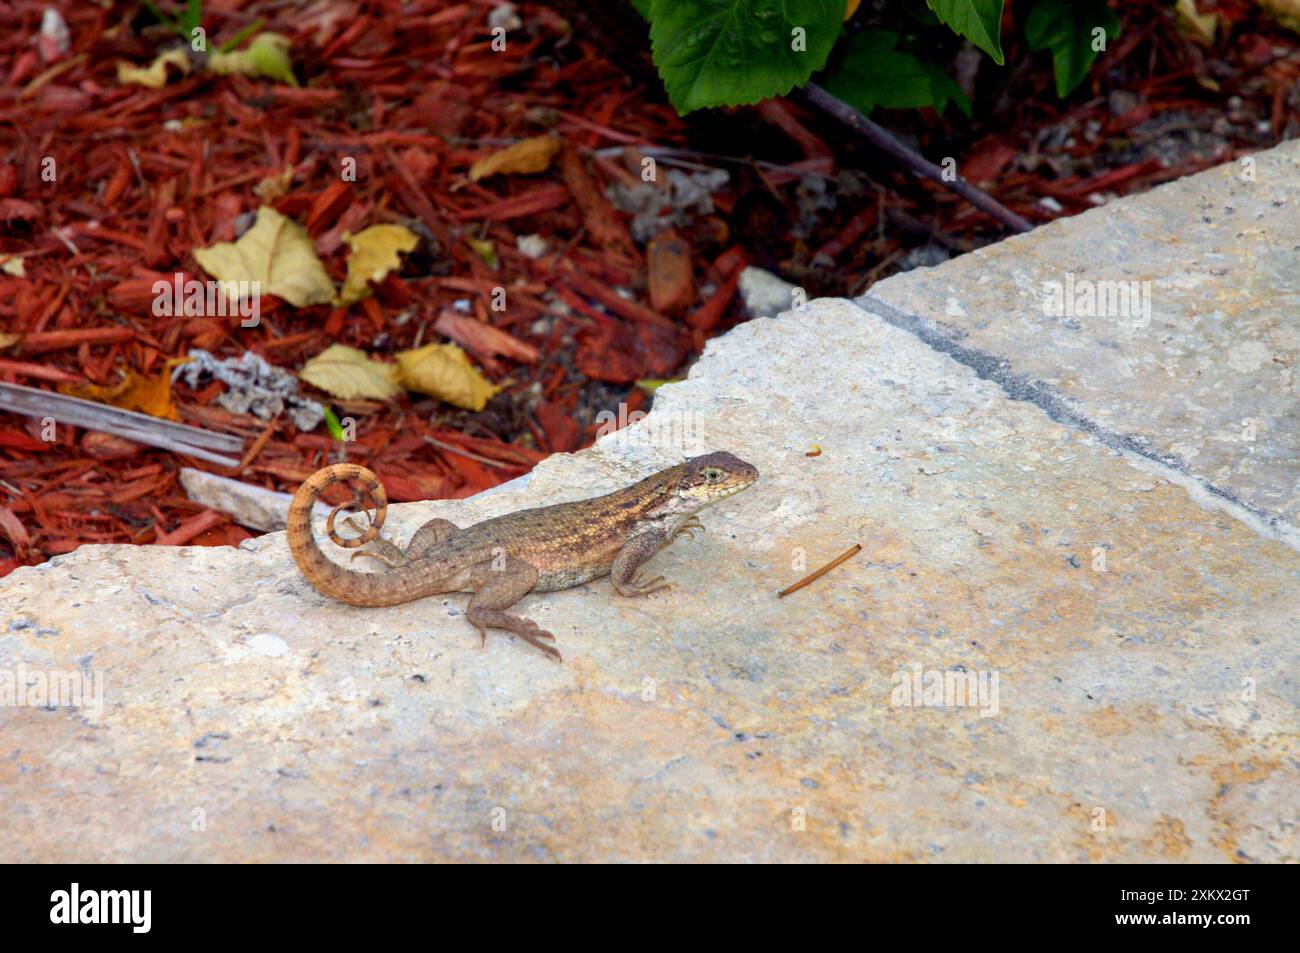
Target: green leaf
(237,40)
(729,52)
(652,384)
(1067,28)
(642,7)
(870,73)
(333,425)
(980,21)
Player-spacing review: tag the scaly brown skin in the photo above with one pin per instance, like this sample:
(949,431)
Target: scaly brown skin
(503,559)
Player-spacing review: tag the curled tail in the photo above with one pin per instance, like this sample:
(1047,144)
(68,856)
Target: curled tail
(305,499)
(354,588)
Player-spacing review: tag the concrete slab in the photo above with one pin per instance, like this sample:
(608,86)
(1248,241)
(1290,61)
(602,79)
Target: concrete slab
(1130,654)
(1167,323)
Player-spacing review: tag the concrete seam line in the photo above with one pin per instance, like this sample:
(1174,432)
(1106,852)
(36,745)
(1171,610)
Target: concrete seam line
(1021,387)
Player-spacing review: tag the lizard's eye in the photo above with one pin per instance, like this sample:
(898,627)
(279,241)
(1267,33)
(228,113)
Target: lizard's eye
(712,474)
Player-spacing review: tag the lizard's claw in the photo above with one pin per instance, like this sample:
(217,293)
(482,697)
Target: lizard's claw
(527,630)
(530,630)
(690,526)
(540,638)
(644,587)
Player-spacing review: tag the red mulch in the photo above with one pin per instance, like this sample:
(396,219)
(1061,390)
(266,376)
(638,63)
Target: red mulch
(413,91)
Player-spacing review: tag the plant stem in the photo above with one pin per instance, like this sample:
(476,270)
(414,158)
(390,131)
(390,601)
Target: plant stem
(242,35)
(884,140)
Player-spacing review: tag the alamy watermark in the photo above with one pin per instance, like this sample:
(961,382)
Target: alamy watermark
(1085,298)
(130,907)
(36,688)
(210,299)
(954,688)
(677,428)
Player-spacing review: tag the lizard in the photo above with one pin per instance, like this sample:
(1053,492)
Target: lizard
(500,560)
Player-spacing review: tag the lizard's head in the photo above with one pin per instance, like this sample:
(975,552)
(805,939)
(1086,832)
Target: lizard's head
(713,477)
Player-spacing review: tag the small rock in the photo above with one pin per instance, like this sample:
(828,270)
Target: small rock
(764,294)
(531,246)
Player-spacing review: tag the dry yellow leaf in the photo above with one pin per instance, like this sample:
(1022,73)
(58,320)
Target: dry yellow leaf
(484,249)
(1286,12)
(276,252)
(443,371)
(147,395)
(13,266)
(850,8)
(350,374)
(275,186)
(375,252)
(1191,23)
(267,56)
(525,156)
(154,75)
(9,340)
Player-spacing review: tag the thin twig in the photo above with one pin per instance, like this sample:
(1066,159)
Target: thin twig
(884,140)
(813,577)
(671,155)
(486,461)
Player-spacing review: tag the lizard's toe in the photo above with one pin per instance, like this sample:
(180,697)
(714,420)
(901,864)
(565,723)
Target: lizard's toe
(531,630)
(644,587)
(538,637)
(553,653)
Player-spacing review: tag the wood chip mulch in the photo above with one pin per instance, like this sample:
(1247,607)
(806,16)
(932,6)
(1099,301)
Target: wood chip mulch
(107,188)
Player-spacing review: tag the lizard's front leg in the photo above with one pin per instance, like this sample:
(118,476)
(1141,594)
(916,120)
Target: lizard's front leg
(625,573)
(689,527)
(497,589)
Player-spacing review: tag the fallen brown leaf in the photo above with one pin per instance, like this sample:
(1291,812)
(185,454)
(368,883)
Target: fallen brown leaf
(527,156)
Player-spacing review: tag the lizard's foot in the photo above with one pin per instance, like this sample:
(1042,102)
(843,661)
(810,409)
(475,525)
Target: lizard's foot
(526,629)
(390,554)
(387,561)
(690,526)
(637,586)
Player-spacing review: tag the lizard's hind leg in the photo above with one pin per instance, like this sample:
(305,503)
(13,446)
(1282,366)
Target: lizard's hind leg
(497,589)
(430,534)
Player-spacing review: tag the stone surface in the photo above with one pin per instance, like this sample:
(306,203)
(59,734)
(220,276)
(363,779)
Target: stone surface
(1205,381)
(710,722)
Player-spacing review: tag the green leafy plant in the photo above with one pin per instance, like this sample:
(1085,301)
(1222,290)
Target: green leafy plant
(871,72)
(1075,31)
(184,23)
(189,21)
(980,21)
(734,52)
(729,52)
